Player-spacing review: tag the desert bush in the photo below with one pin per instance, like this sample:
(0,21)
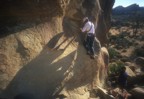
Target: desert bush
(115,67)
(112,52)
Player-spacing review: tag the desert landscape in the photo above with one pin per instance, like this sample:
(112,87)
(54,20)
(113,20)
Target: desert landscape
(126,46)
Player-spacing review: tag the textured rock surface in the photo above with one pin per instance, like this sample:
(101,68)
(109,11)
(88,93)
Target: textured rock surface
(139,61)
(138,92)
(41,47)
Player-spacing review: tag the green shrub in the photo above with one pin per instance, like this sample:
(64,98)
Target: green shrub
(112,68)
(115,67)
(112,52)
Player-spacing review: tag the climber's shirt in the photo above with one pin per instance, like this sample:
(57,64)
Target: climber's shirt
(89,28)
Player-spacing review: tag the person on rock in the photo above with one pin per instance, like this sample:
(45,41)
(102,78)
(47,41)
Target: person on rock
(89,28)
(122,79)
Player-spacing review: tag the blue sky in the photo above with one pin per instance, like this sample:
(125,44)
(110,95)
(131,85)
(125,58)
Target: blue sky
(128,2)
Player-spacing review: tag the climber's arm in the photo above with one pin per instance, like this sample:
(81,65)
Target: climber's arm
(84,29)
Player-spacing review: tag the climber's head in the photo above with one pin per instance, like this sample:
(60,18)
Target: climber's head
(85,19)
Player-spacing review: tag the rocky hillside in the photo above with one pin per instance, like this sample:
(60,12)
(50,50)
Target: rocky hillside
(41,49)
(132,14)
(126,48)
(128,10)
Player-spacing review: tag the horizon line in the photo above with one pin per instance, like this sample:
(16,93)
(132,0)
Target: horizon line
(128,5)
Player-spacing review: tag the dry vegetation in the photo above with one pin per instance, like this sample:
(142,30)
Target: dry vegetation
(126,48)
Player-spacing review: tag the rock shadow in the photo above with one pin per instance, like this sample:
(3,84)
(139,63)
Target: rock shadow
(41,76)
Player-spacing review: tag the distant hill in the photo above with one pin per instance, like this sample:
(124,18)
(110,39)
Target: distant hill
(132,14)
(131,9)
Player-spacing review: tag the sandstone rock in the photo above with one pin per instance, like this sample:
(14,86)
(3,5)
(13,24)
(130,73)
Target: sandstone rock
(139,61)
(128,63)
(41,47)
(130,72)
(138,92)
(133,68)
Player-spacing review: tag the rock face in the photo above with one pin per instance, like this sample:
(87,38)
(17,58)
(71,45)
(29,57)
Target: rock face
(139,61)
(138,93)
(41,48)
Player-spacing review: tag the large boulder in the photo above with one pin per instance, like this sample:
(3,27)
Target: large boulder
(139,61)
(138,93)
(41,48)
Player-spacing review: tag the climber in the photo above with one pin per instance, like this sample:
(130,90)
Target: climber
(90,36)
